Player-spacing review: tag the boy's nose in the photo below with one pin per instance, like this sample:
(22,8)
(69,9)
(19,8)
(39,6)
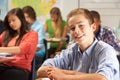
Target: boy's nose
(77,29)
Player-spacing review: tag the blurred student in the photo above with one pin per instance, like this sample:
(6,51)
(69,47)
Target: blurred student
(87,58)
(117,32)
(104,33)
(30,17)
(56,28)
(21,43)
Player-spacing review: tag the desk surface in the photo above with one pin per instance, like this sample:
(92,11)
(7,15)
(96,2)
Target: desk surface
(54,39)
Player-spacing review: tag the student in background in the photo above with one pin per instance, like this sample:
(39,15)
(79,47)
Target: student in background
(30,17)
(87,58)
(21,43)
(56,28)
(117,32)
(104,33)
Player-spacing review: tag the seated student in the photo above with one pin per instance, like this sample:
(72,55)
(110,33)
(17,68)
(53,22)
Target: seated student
(87,58)
(117,32)
(30,17)
(18,40)
(56,27)
(104,33)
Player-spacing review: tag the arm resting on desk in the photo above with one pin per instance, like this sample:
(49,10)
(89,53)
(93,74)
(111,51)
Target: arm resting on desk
(52,72)
(12,50)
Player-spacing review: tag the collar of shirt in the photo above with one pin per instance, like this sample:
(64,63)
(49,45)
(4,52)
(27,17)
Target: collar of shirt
(88,52)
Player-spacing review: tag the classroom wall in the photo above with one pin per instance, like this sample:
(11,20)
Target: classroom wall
(109,10)
(67,6)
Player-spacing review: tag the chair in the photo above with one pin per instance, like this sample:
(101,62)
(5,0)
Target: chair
(46,51)
(118,56)
(68,38)
(32,73)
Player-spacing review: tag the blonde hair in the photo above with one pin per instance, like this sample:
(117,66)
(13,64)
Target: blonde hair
(58,29)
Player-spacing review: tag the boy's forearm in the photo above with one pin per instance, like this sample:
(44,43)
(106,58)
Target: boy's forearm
(70,72)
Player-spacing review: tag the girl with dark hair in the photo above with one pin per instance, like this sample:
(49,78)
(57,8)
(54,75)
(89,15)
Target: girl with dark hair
(21,43)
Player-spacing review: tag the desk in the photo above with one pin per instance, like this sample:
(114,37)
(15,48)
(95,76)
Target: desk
(48,41)
(54,39)
(6,59)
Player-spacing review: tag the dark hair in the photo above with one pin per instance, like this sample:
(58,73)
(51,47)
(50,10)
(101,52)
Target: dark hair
(95,15)
(30,11)
(10,33)
(82,11)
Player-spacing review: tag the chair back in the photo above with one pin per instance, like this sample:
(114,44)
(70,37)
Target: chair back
(118,56)
(32,73)
(46,51)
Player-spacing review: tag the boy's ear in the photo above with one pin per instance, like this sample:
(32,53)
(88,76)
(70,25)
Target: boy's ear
(93,27)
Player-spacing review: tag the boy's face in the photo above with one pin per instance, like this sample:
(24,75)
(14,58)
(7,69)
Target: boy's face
(81,30)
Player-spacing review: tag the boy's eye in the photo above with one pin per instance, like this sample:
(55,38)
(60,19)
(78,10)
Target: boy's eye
(80,26)
(72,28)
